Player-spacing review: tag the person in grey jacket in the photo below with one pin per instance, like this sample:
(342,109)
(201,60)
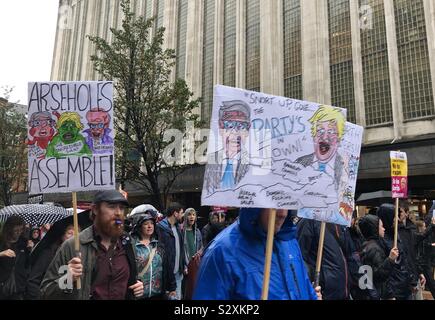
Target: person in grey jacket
(105,263)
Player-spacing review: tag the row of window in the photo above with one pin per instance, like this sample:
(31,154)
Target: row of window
(415,77)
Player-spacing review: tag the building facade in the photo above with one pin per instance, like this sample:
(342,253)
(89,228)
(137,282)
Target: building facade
(376,58)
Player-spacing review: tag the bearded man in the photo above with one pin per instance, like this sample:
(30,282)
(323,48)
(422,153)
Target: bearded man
(105,263)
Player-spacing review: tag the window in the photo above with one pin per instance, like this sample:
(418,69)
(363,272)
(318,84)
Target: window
(292,49)
(229,64)
(415,77)
(253,45)
(340,50)
(160,12)
(181,39)
(377,91)
(208,61)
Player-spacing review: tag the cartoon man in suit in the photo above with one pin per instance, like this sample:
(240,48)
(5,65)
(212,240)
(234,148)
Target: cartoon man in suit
(228,166)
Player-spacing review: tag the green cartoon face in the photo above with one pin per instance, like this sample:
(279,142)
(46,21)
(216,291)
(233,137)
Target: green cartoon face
(68,132)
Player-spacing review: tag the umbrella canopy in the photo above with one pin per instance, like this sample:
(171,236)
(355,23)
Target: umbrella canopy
(34,214)
(374,199)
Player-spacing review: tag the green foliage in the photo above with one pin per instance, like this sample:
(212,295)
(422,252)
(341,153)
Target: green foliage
(13,156)
(147,101)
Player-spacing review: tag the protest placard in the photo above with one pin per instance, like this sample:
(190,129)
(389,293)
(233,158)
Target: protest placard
(70,137)
(268,151)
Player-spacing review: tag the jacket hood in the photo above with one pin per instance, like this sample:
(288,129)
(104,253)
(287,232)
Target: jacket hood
(249,224)
(185,219)
(369,227)
(386,214)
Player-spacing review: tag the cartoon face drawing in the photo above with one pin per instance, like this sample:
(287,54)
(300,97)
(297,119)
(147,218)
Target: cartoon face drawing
(234,124)
(42,129)
(68,141)
(327,130)
(326,140)
(98,135)
(98,121)
(69,132)
(42,125)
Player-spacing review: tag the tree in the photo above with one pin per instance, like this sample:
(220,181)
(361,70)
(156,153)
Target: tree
(147,103)
(13,157)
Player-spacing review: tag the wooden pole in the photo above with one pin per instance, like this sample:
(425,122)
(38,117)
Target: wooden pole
(319,254)
(269,250)
(76,233)
(396,222)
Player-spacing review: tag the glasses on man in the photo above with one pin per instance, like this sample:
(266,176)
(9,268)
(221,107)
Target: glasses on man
(96,125)
(236,125)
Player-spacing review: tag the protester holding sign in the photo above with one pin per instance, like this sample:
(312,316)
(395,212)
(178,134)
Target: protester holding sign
(402,279)
(232,266)
(106,264)
(334,274)
(373,254)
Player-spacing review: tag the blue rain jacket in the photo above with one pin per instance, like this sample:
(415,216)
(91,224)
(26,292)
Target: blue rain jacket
(233,265)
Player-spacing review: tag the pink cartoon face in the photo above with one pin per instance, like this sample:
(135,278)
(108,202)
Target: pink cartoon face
(98,121)
(42,127)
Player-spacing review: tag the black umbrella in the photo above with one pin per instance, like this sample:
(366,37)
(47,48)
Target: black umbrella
(374,199)
(35,214)
(58,228)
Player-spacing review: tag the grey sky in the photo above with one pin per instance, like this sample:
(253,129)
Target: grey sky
(27,35)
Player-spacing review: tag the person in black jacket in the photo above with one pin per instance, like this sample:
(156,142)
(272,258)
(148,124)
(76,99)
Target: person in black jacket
(408,235)
(334,278)
(215,225)
(402,279)
(14,259)
(373,253)
(424,247)
(171,237)
(40,263)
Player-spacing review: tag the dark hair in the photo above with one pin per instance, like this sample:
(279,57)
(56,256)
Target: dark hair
(173,207)
(138,226)
(8,228)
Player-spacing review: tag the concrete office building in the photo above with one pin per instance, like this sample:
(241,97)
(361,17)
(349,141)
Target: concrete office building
(374,57)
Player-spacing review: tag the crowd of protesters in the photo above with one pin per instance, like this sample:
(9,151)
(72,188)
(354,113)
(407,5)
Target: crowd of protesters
(153,256)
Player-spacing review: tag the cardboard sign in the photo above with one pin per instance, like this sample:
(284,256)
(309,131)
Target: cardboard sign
(268,151)
(399,174)
(70,137)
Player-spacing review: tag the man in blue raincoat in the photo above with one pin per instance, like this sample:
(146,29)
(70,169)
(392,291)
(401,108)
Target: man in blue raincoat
(233,264)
